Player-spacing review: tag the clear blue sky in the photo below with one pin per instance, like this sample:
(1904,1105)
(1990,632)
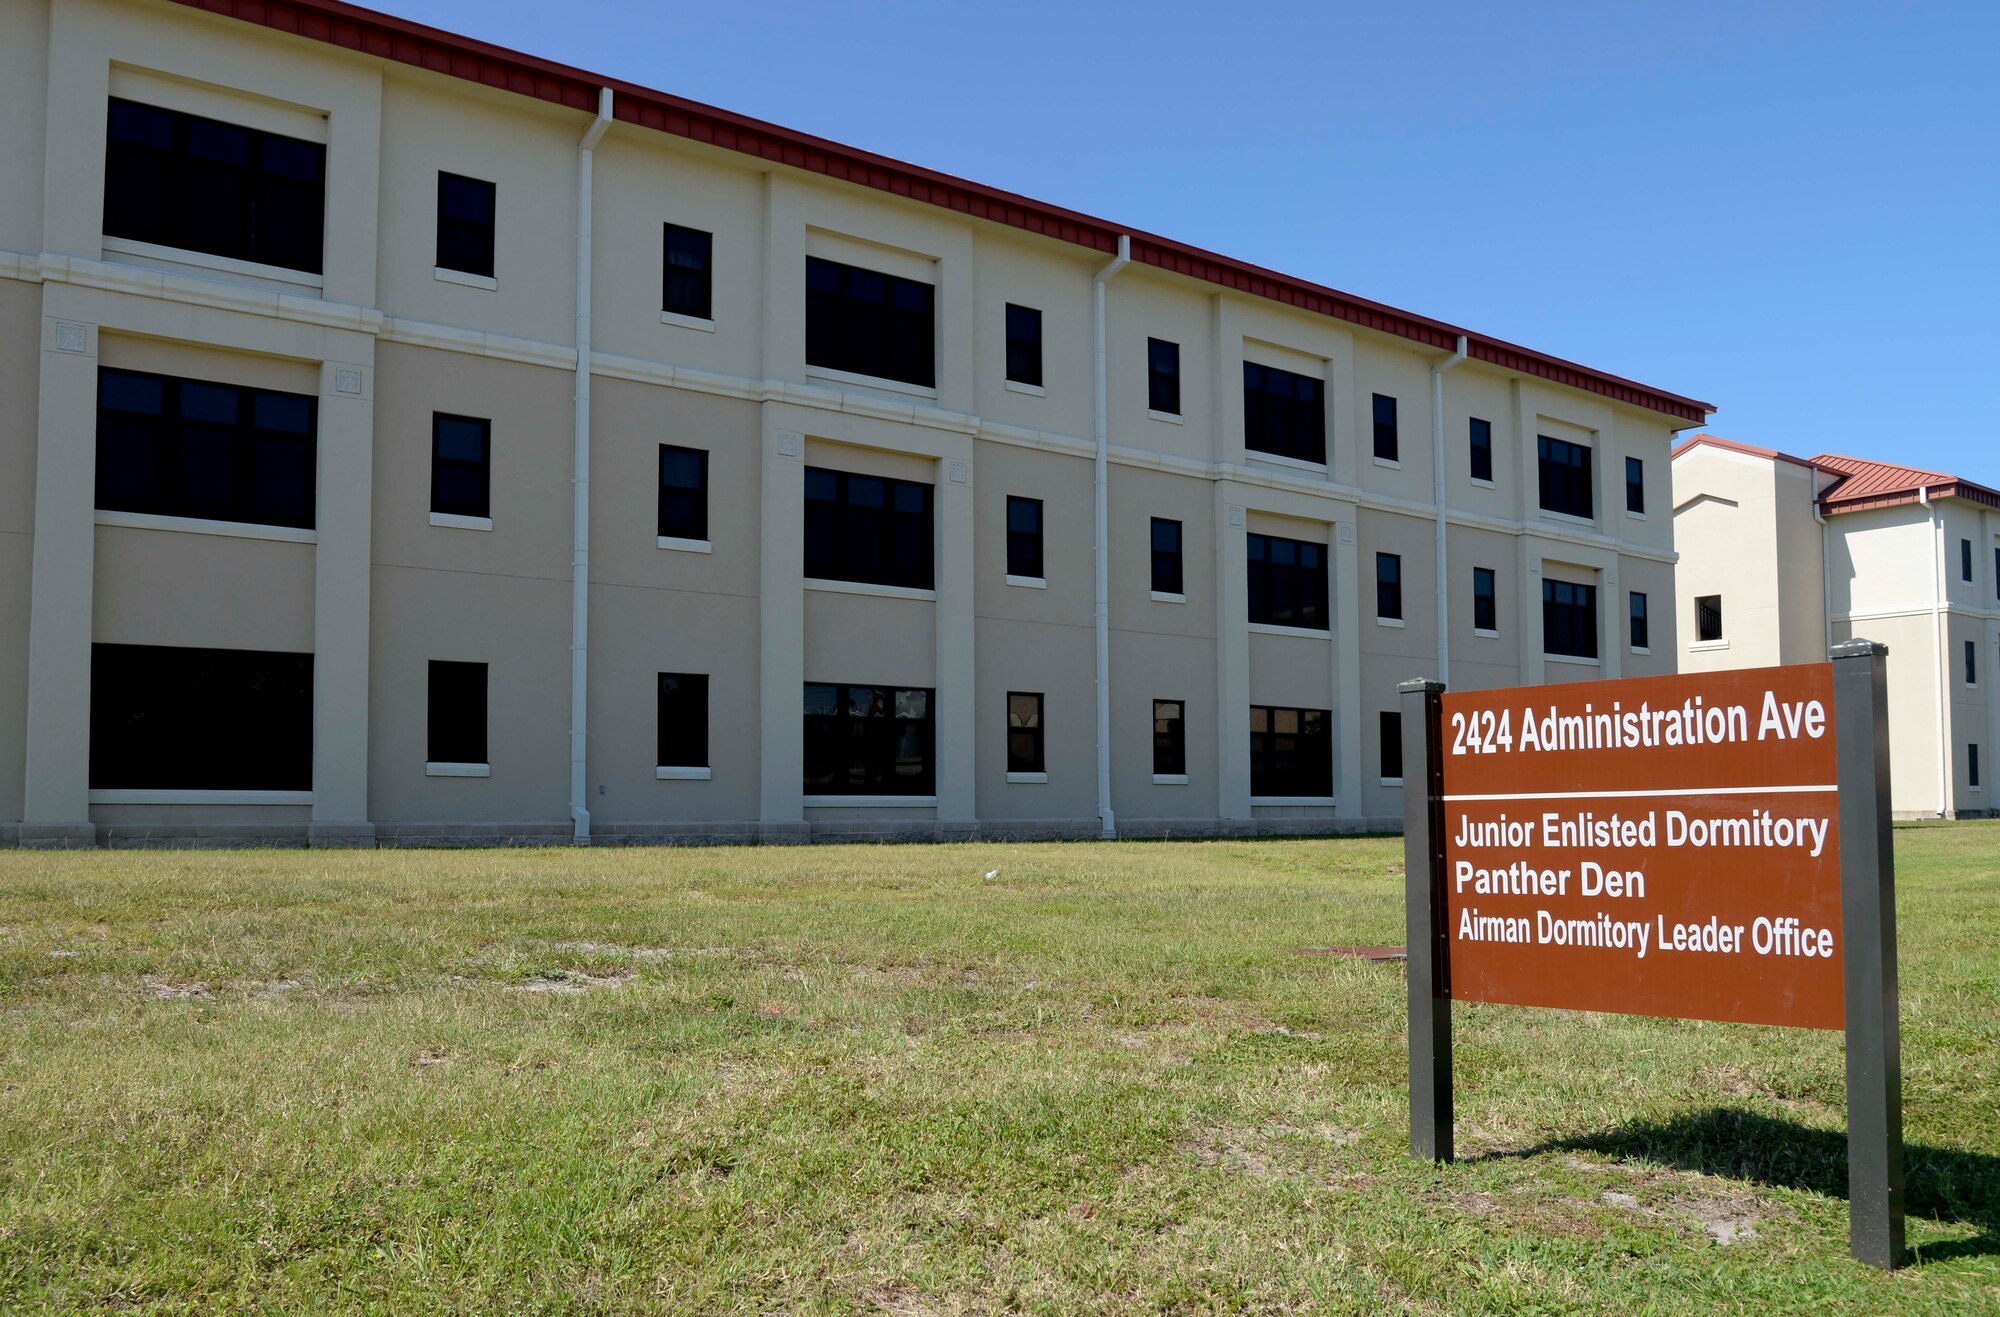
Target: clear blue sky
(1791,211)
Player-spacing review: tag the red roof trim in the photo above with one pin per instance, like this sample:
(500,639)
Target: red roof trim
(1734,446)
(387,37)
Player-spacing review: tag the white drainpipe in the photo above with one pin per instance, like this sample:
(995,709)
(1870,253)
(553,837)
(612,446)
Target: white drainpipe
(1437,497)
(1101,526)
(579,562)
(1937,652)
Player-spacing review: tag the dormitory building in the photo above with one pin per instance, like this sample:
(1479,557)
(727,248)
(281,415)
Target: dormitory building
(412,440)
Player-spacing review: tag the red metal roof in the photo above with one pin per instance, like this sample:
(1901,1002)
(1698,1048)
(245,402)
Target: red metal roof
(1734,446)
(387,37)
(1866,484)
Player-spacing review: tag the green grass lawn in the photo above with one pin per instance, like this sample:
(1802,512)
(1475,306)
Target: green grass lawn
(870,1079)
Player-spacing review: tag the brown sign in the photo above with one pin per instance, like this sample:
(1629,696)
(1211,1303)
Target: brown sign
(1655,846)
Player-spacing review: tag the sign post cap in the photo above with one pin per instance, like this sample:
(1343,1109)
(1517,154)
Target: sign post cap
(1858,648)
(1421,686)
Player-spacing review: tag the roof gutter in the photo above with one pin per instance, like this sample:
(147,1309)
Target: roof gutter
(1101,531)
(579,562)
(1438,368)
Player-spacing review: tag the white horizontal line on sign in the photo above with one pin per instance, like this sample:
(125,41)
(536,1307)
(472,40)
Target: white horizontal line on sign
(1663,791)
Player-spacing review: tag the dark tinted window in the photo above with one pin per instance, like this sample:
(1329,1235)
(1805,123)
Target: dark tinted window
(192,448)
(1163,376)
(465,224)
(682,737)
(1641,631)
(1169,737)
(688,291)
(1565,476)
(1024,344)
(1287,581)
(1971,663)
(183,181)
(867,528)
(1569,619)
(456,713)
(1972,765)
(1708,617)
(200,719)
(1291,752)
(869,323)
(1389,585)
(1167,578)
(1635,485)
(1387,444)
(683,493)
(1024,732)
(1390,729)
(1283,413)
(1024,536)
(1965,560)
(869,740)
(1485,612)
(461,465)
(1480,445)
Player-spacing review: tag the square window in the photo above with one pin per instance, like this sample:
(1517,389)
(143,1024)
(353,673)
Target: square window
(869,740)
(1480,447)
(1283,413)
(461,465)
(1024,733)
(1163,376)
(1291,752)
(1387,444)
(1569,619)
(1485,611)
(1565,477)
(1708,617)
(867,528)
(682,736)
(683,493)
(465,224)
(1024,345)
(1288,581)
(1169,738)
(456,713)
(1389,585)
(1024,536)
(688,290)
(1167,577)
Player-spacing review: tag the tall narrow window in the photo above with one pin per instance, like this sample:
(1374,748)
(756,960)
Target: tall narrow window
(1635,485)
(1965,561)
(1024,537)
(1169,738)
(1287,581)
(869,740)
(867,528)
(1163,376)
(461,465)
(1389,586)
(1024,733)
(1972,766)
(681,739)
(1971,663)
(1641,635)
(1387,444)
(1485,609)
(1565,477)
(689,289)
(868,323)
(1024,345)
(179,180)
(200,719)
(1167,578)
(456,715)
(194,448)
(683,493)
(1291,752)
(1284,413)
(1480,449)
(465,224)
(1390,733)
(1708,617)
(1569,619)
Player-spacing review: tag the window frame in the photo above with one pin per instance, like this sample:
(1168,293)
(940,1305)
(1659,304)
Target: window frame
(1304,583)
(878,338)
(479,235)
(890,727)
(1284,413)
(684,743)
(1479,449)
(1580,612)
(1389,588)
(1163,376)
(912,575)
(1174,579)
(1575,475)
(696,279)
(1388,441)
(1026,736)
(1490,599)
(439,463)
(1707,610)
(697,530)
(1170,743)
(1268,778)
(1024,349)
(173,441)
(1025,557)
(479,676)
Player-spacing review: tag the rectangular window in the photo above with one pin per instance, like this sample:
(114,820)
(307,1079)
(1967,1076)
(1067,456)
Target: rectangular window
(1971,663)
(1024,345)
(1387,445)
(1485,610)
(867,528)
(179,180)
(683,493)
(200,719)
(1389,585)
(1641,636)
(1972,766)
(1708,617)
(1391,732)
(1287,582)
(1565,476)
(456,714)
(461,465)
(682,735)
(465,224)
(1024,733)
(192,448)
(1283,413)
(1291,752)
(1167,578)
(1480,445)
(1965,561)
(1635,485)
(869,741)
(1024,536)
(1163,376)
(1169,738)
(868,323)
(689,290)
(1569,619)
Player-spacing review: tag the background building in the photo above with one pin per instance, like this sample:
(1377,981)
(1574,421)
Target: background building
(419,440)
(1783,556)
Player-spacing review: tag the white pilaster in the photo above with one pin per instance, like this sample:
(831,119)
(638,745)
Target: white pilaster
(956,713)
(1344,557)
(782,626)
(341,574)
(1232,656)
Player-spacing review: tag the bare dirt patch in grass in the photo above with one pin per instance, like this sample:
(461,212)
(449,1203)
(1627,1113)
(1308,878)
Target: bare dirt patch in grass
(571,982)
(164,989)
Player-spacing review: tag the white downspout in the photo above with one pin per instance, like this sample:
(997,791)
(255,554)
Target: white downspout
(1937,652)
(1825,570)
(1437,500)
(579,562)
(1101,534)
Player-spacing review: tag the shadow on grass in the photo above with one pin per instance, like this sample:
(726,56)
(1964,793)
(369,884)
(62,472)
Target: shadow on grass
(1944,1184)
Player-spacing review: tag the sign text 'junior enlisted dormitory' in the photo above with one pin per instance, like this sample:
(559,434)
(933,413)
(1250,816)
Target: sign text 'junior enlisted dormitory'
(1672,851)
